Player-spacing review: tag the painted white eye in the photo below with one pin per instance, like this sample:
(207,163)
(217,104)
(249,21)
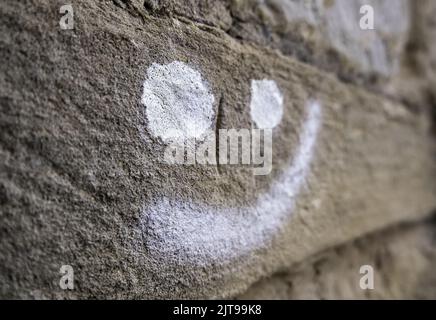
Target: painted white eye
(266,104)
(178,102)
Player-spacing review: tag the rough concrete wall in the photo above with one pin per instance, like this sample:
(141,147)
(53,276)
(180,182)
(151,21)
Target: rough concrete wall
(82,182)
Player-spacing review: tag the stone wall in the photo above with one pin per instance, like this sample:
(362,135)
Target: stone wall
(85,113)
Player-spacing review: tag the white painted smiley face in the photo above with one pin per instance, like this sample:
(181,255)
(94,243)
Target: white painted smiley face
(179,105)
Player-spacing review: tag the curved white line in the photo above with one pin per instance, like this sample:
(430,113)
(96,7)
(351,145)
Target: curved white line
(200,233)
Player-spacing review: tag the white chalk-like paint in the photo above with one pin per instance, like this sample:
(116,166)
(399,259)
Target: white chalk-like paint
(201,234)
(178,102)
(266,105)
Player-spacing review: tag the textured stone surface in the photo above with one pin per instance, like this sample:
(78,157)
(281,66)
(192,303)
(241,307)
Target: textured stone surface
(323,32)
(416,83)
(327,33)
(79,167)
(403,259)
(395,58)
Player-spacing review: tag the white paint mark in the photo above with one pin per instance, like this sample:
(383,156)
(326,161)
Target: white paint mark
(178,102)
(266,104)
(201,234)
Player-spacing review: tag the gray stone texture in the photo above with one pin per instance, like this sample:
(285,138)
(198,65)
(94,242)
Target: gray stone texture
(78,166)
(403,258)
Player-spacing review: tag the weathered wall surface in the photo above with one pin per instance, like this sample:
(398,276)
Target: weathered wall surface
(82,182)
(404,257)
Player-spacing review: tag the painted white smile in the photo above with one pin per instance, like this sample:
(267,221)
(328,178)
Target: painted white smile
(199,233)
